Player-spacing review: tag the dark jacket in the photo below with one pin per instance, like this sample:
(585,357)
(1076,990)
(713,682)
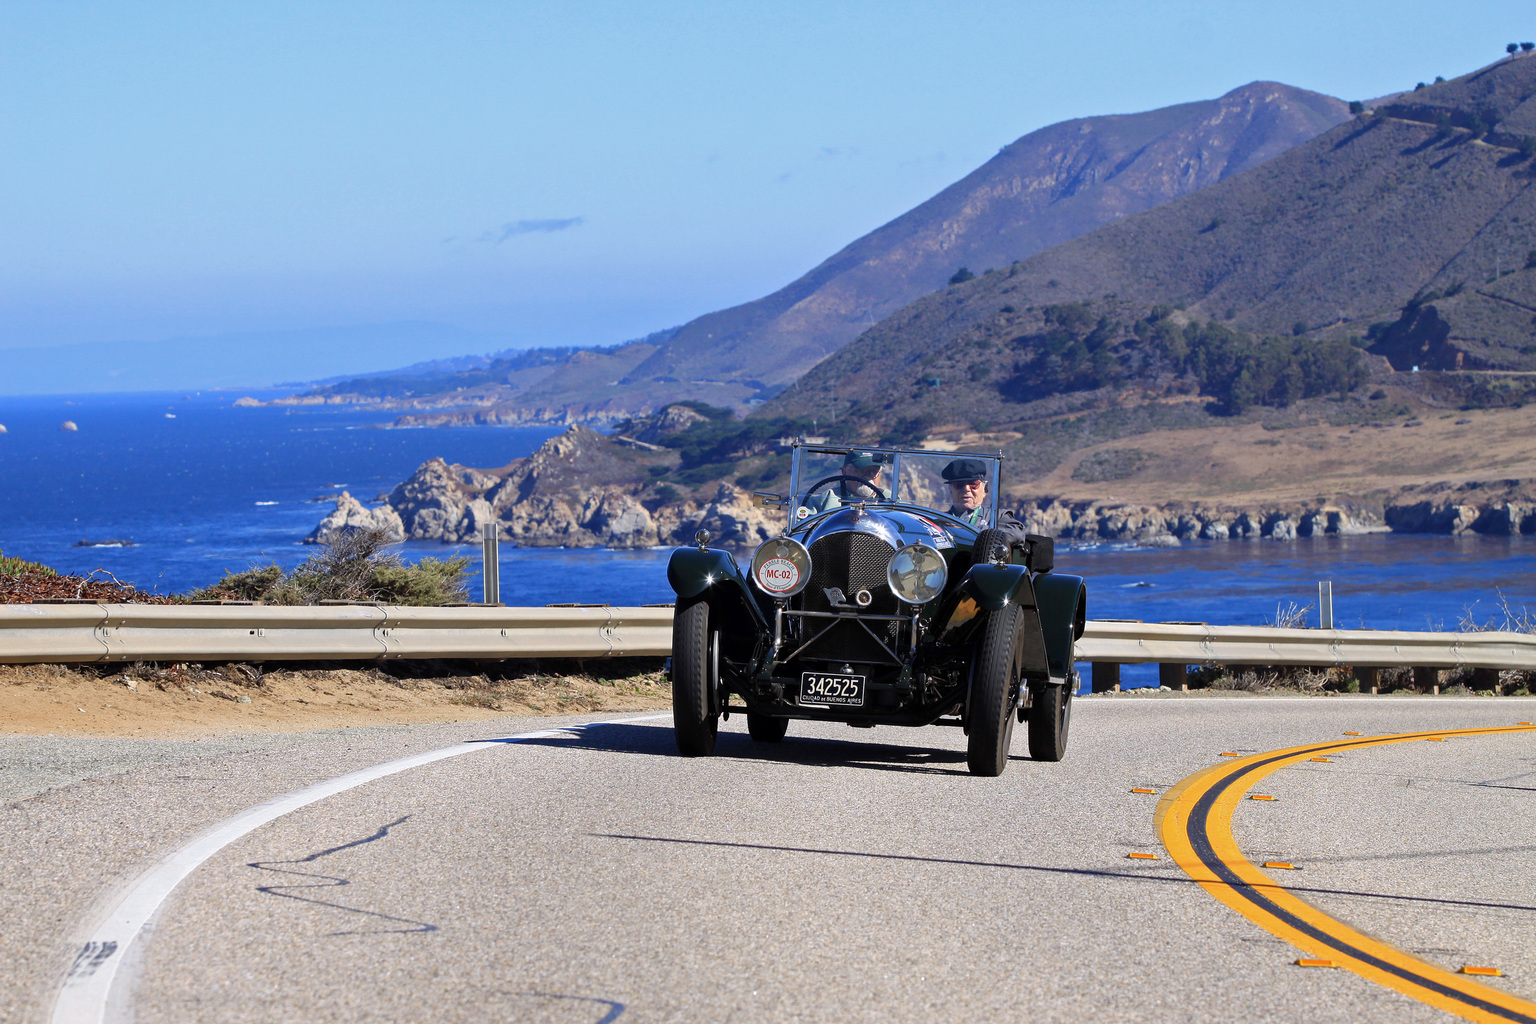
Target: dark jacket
(1007,522)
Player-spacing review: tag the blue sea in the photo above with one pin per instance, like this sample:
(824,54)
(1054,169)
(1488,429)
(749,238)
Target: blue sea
(201,487)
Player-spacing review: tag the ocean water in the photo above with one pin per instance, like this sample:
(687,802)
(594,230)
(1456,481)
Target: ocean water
(201,487)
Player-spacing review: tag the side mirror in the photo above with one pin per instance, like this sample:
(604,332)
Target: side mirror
(1039,552)
(767,499)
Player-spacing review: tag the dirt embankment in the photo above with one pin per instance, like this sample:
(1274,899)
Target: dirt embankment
(186,701)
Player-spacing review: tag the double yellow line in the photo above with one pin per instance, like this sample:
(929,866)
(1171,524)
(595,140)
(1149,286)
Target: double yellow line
(1194,822)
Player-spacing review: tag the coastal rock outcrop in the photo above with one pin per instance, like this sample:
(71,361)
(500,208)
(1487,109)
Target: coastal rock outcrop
(580,489)
(350,515)
(586,489)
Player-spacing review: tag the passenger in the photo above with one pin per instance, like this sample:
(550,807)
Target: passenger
(967,480)
(866,466)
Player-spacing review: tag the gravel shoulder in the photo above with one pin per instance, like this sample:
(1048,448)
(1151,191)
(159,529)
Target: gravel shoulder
(188,701)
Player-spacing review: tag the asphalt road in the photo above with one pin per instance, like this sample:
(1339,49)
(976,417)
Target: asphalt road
(841,876)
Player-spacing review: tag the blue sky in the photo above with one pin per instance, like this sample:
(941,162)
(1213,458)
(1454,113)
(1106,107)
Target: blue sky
(574,173)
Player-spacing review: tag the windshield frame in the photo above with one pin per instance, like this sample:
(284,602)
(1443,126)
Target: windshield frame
(799,448)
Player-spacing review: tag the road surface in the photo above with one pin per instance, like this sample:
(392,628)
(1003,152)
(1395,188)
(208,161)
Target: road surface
(590,875)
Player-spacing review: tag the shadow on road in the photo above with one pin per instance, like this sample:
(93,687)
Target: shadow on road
(1159,874)
(803,750)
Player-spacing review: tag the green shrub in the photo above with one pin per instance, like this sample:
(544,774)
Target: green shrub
(20,567)
(961,276)
(353,566)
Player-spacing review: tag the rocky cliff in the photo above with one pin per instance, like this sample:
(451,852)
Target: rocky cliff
(581,489)
(350,514)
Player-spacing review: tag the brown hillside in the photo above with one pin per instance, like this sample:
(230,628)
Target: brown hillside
(1333,235)
(1044,189)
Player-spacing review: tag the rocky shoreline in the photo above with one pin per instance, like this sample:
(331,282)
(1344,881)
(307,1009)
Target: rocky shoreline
(586,489)
(1499,508)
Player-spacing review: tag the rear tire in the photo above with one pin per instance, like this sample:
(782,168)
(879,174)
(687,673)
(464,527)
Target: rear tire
(993,691)
(766,728)
(695,724)
(1049,719)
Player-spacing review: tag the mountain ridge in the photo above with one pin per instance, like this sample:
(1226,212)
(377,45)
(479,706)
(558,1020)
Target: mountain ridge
(1040,190)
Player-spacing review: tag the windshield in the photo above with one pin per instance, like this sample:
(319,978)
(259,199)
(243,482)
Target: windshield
(960,483)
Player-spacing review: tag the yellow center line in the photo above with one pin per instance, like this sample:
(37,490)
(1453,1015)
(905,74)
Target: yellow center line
(1194,822)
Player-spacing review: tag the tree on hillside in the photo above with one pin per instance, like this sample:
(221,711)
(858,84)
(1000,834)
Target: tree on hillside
(1356,107)
(1512,48)
(961,276)
(1528,47)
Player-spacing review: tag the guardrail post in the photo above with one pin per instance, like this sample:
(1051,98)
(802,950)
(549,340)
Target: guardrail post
(490,563)
(1485,679)
(1369,676)
(1426,679)
(1106,676)
(1173,676)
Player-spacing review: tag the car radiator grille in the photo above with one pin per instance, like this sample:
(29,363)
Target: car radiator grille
(851,562)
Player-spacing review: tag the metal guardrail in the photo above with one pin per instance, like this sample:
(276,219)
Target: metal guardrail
(1200,644)
(137,632)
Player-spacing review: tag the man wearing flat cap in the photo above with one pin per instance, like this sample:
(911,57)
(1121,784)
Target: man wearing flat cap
(866,466)
(967,481)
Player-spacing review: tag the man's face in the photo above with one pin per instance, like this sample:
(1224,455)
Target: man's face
(870,473)
(968,494)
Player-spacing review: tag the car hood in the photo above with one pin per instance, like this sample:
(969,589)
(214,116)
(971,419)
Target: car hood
(896,525)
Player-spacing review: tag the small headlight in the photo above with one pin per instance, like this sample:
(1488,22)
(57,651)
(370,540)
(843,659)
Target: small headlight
(781,567)
(917,573)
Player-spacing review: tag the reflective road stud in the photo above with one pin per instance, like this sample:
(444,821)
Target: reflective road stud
(1284,864)
(1308,961)
(1353,734)
(1228,753)
(1324,760)
(1143,791)
(1141,856)
(1482,972)
(1260,796)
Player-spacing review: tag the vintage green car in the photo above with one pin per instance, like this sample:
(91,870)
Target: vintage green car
(894,597)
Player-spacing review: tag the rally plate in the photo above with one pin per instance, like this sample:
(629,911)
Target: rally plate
(831,690)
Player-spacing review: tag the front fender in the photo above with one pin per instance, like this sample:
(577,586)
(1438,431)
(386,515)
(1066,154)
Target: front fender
(692,571)
(1063,615)
(996,586)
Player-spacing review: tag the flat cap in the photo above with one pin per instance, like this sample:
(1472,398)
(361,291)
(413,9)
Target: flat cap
(863,460)
(963,471)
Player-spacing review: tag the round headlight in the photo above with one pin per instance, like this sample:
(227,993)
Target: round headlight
(917,573)
(781,567)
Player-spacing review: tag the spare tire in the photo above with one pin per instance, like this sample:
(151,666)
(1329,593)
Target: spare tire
(986,541)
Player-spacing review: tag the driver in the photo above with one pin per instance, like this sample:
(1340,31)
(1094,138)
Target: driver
(967,482)
(867,466)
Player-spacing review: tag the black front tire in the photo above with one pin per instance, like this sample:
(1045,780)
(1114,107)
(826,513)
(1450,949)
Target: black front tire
(994,688)
(695,723)
(766,728)
(1049,719)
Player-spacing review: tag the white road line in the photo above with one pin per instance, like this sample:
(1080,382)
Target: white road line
(88,991)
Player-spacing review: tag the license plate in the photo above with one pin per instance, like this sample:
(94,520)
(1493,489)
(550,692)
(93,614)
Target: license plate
(828,690)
